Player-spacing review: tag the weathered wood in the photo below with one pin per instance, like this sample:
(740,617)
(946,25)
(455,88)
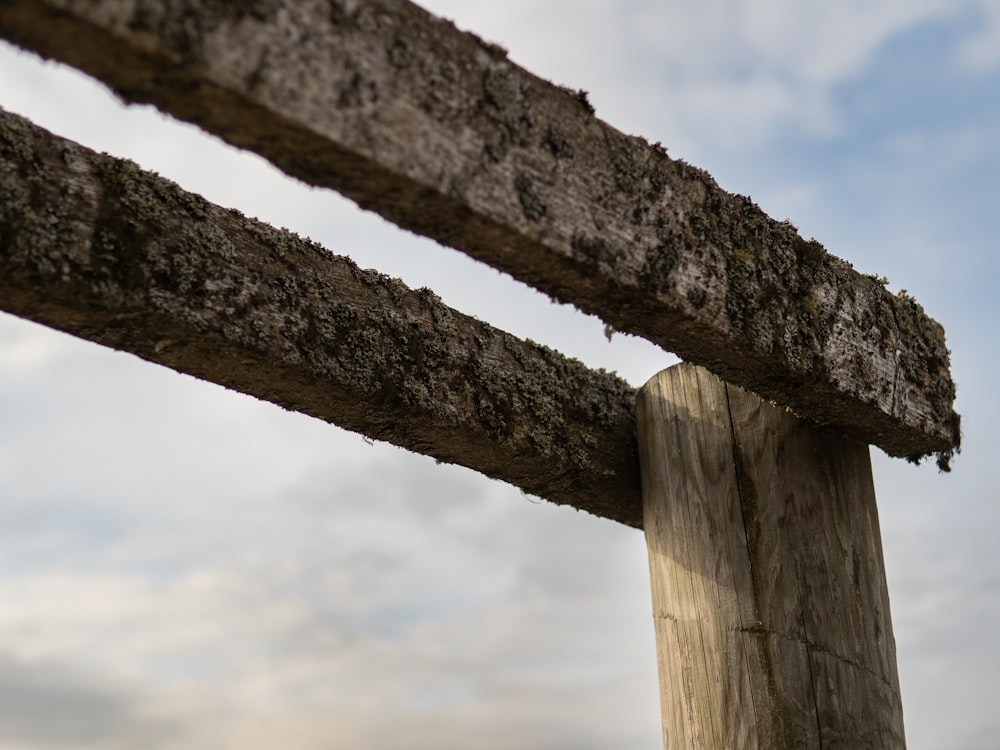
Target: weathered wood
(441,133)
(769,595)
(96,247)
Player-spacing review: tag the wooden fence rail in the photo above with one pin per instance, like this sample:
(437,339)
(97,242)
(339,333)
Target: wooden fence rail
(439,132)
(96,247)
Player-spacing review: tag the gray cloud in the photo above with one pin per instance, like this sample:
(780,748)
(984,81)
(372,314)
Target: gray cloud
(48,705)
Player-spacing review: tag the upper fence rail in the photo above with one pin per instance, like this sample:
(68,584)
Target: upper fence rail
(438,131)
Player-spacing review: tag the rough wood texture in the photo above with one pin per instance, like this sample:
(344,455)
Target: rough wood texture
(769,594)
(94,246)
(439,132)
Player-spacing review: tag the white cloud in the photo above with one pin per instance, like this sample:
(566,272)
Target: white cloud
(768,66)
(981,51)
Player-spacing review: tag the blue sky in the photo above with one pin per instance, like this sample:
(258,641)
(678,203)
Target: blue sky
(182,566)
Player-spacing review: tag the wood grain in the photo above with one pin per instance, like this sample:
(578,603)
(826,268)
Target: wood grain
(769,595)
(440,132)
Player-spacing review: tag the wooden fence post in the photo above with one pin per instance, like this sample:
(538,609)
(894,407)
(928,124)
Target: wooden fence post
(769,595)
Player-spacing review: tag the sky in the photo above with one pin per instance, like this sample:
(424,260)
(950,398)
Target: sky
(182,566)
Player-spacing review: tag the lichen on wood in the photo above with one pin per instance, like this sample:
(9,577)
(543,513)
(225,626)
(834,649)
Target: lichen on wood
(440,132)
(95,246)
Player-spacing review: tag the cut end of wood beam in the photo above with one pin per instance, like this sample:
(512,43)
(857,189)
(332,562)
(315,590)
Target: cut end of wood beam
(440,133)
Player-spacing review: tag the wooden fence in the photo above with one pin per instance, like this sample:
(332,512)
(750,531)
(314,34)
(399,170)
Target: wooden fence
(769,592)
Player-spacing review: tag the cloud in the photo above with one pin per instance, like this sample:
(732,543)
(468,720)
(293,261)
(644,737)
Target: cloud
(981,50)
(754,70)
(310,613)
(50,705)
